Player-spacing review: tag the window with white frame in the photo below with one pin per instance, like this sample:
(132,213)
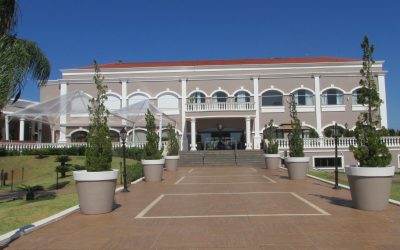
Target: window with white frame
(355,97)
(332,97)
(113,102)
(197,97)
(242,97)
(168,102)
(327,162)
(272,98)
(220,97)
(136,98)
(303,97)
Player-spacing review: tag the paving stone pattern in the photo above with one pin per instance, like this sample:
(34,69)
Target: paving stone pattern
(214,208)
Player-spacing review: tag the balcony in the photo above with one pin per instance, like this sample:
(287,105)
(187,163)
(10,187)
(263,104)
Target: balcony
(220,104)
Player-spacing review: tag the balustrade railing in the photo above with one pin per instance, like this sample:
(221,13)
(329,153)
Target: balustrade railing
(343,142)
(229,105)
(309,143)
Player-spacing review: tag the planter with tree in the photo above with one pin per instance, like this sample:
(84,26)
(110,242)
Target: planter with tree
(296,163)
(96,185)
(172,157)
(152,161)
(271,155)
(370,182)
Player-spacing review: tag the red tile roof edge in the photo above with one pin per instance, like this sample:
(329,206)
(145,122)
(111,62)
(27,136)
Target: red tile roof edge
(224,62)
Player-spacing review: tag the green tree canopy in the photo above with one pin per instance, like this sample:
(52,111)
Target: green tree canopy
(19,58)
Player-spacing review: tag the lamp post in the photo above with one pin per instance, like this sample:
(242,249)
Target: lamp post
(335,135)
(123,134)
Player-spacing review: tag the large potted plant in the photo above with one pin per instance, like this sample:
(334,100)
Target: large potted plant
(370,182)
(271,155)
(96,185)
(152,161)
(296,164)
(172,157)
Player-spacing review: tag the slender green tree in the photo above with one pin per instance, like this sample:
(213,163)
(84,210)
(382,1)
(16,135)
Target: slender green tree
(99,150)
(151,151)
(296,146)
(173,145)
(370,151)
(19,58)
(270,135)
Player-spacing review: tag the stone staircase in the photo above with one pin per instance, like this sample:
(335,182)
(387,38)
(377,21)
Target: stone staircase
(222,158)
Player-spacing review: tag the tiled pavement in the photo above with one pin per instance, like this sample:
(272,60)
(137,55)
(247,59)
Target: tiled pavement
(231,207)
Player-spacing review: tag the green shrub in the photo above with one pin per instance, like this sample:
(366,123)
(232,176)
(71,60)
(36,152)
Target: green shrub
(63,167)
(30,191)
(313,133)
(151,151)
(270,134)
(3,152)
(131,153)
(99,150)
(173,145)
(296,146)
(370,150)
(134,171)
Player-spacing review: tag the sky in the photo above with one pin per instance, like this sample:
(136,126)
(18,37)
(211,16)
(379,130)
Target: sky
(73,33)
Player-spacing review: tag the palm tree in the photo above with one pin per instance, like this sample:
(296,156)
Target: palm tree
(19,58)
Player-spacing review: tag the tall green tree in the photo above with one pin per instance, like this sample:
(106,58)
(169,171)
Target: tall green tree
(296,147)
(99,150)
(19,58)
(370,151)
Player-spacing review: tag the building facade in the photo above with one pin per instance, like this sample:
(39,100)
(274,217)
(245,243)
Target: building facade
(228,101)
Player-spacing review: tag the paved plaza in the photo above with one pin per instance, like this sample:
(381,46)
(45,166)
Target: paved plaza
(225,207)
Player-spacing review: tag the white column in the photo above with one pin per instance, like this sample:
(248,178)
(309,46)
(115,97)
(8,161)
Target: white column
(63,117)
(21,129)
(160,134)
(33,128)
(193,134)
(7,127)
(257,137)
(382,95)
(317,90)
(53,135)
(40,132)
(183,115)
(248,134)
(124,91)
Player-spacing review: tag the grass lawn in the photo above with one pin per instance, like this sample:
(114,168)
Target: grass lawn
(330,176)
(18,213)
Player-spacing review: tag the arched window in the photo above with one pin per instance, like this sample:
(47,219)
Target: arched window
(242,97)
(332,97)
(197,97)
(272,98)
(355,97)
(79,136)
(140,136)
(220,97)
(136,98)
(114,136)
(303,97)
(168,102)
(113,102)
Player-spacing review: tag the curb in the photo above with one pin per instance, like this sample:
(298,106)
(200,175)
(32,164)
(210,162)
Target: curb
(15,234)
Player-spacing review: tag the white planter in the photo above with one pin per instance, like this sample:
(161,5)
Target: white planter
(96,190)
(370,186)
(153,169)
(272,161)
(171,162)
(297,167)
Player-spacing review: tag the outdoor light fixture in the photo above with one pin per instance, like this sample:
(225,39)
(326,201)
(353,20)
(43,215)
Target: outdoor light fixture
(123,135)
(335,135)
(220,127)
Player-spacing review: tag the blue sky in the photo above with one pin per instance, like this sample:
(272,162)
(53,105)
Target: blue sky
(72,33)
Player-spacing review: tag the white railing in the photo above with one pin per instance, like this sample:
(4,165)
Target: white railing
(343,142)
(309,143)
(19,146)
(219,106)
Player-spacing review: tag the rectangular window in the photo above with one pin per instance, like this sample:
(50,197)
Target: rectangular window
(327,162)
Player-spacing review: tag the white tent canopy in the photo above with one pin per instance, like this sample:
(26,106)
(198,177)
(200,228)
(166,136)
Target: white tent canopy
(70,105)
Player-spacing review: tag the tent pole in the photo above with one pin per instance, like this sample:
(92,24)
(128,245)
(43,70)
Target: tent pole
(160,134)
